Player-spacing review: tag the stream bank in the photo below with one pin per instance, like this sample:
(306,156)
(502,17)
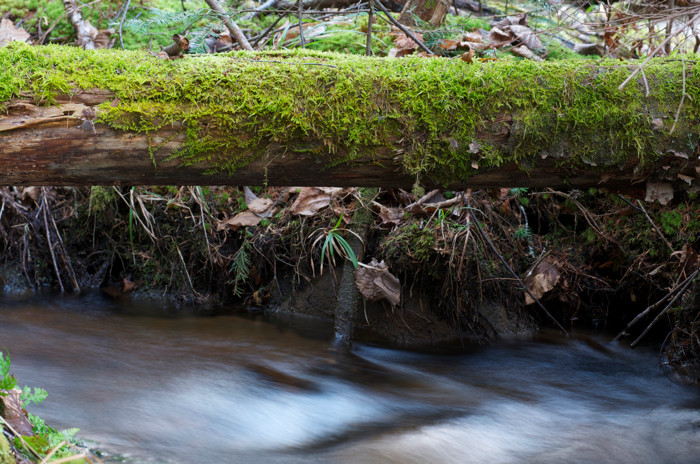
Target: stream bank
(591,259)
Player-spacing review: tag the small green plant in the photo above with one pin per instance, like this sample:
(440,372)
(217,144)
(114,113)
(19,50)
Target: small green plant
(8,381)
(523,232)
(671,222)
(333,244)
(240,266)
(47,441)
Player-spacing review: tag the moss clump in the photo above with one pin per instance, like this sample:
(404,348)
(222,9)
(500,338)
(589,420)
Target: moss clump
(440,114)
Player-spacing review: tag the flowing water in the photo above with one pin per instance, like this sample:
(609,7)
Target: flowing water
(144,384)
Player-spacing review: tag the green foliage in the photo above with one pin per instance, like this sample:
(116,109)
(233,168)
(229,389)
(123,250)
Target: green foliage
(36,396)
(46,438)
(101,198)
(240,266)
(410,244)
(7,380)
(335,243)
(671,222)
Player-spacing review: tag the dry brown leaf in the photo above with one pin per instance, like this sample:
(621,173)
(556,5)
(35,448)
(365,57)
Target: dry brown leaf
(404,41)
(520,20)
(310,201)
(527,36)
(525,52)
(104,38)
(467,57)
(12,412)
(474,36)
(661,191)
(499,38)
(542,280)
(128,286)
(389,215)
(30,194)
(377,283)
(246,218)
(9,32)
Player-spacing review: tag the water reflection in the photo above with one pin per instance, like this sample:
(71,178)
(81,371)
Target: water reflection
(230,389)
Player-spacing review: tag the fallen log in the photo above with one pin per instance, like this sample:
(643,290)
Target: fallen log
(75,117)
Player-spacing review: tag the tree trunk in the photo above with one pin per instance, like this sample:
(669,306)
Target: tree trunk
(76,117)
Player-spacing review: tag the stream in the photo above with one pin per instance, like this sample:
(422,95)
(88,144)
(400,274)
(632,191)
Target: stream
(154,385)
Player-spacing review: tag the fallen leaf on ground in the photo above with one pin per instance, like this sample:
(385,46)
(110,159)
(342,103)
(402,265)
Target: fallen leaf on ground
(376,283)
(527,36)
(310,201)
(661,191)
(542,280)
(246,218)
(525,52)
(9,32)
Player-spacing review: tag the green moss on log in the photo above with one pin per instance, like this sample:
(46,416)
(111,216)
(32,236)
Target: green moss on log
(440,115)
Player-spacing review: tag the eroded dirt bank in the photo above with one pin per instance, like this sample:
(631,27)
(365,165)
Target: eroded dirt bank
(455,264)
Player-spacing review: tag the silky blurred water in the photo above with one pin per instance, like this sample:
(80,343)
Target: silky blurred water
(156,388)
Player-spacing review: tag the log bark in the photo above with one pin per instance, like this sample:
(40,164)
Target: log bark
(124,118)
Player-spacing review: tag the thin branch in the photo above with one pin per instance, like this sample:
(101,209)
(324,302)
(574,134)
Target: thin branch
(48,239)
(656,228)
(680,105)
(687,283)
(121,23)
(233,28)
(657,50)
(369,27)
(81,27)
(402,27)
(300,13)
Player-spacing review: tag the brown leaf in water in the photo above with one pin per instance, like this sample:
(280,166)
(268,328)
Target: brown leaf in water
(542,280)
(310,201)
(9,32)
(13,413)
(128,286)
(377,283)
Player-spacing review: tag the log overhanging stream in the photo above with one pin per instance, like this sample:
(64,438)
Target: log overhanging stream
(75,117)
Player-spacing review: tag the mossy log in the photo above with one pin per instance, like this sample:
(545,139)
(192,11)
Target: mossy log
(75,117)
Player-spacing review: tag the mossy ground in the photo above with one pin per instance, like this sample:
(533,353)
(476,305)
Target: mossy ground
(233,105)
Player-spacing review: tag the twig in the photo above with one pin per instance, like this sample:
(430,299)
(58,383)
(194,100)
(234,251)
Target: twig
(121,23)
(687,283)
(678,111)
(657,50)
(505,263)
(665,240)
(370,18)
(645,312)
(258,10)
(266,31)
(66,258)
(300,12)
(81,29)
(402,27)
(233,28)
(48,239)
